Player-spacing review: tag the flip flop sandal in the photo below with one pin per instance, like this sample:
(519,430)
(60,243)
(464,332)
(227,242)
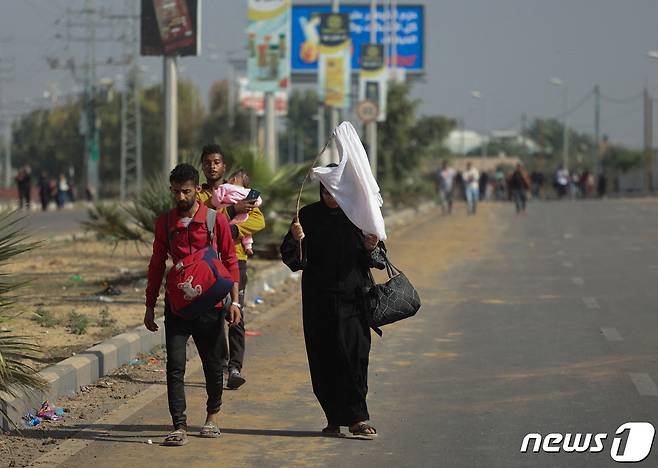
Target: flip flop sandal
(176,438)
(363,431)
(332,431)
(210,431)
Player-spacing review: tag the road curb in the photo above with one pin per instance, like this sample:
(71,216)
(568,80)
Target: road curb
(67,377)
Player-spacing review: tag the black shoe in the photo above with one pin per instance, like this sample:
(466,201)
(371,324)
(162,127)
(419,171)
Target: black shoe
(235,380)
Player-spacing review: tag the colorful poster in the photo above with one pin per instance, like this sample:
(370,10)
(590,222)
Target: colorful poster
(373,77)
(335,55)
(409,24)
(268,35)
(255,100)
(170,27)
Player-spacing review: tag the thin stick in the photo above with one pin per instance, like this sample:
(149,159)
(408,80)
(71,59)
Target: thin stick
(299,197)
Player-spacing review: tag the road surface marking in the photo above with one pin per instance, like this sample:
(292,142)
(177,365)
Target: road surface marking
(567,264)
(578,280)
(644,384)
(568,235)
(591,303)
(611,334)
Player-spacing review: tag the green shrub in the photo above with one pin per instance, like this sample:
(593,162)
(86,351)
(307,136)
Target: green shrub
(77,323)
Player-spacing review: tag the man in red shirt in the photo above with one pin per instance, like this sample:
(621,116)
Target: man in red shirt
(187,234)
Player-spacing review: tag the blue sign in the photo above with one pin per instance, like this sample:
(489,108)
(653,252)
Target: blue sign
(305,44)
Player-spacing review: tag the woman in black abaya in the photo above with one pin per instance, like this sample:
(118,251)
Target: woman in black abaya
(335,260)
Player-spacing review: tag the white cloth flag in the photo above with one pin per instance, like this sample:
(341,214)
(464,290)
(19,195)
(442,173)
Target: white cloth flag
(352,184)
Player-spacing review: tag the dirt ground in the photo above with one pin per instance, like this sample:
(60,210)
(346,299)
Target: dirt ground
(72,277)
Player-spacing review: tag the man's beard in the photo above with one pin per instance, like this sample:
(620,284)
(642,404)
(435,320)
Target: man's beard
(184,205)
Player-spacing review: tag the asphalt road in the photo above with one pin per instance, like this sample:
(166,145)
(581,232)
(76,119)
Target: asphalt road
(48,224)
(542,324)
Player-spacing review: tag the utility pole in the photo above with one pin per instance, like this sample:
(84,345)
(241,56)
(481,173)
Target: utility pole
(270,130)
(131,176)
(371,128)
(92,137)
(7,72)
(524,126)
(648,140)
(335,8)
(171,114)
(597,167)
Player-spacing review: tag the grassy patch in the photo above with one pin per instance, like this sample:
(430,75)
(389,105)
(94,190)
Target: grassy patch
(45,318)
(77,323)
(106,320)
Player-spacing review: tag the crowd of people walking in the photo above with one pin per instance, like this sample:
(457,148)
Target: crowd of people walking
(60,190)
(517,185)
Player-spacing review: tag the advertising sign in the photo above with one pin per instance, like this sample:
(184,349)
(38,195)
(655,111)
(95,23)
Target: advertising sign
(335,56)
(170,27)
(268,33)
(373,77)
(255,100)
(409,24)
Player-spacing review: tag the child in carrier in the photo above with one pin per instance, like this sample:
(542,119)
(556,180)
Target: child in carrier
(232,192)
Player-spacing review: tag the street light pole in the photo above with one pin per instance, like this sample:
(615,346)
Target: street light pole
(565,126)
(371,127)
(484,147)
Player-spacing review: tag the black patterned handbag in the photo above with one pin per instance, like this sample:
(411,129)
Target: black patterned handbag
(394,300)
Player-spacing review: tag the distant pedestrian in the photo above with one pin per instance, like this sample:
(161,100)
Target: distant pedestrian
(20,182)
(483,183)
(44,190)
(537,181)
(601,186)
(62,191)
(471,178)
(561,181)
(446,181)
(519,183)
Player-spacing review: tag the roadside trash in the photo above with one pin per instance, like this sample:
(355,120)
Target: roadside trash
(252,333)
(258,300)
(105,299)
(152,360)
(136,362)
(109,291)
(31,420)
(47,412)
(150,442)
(267,288)
(76,278)
(85,388)
(104,384)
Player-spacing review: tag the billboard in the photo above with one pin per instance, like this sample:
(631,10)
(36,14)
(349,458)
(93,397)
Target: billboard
(373,77)
(255,100)
(170,27)
(335,51)
(410,25)
(268,33)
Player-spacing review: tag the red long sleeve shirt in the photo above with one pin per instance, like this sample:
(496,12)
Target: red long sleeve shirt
(185,241)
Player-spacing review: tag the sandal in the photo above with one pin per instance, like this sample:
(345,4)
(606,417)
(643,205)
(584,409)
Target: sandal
(176,438)
(210,431)
(363,431)
(332,431)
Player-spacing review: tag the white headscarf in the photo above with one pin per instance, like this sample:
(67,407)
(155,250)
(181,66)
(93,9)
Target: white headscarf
(352,184)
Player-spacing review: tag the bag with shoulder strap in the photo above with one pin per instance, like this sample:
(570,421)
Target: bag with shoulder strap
(394,300)
(194,283)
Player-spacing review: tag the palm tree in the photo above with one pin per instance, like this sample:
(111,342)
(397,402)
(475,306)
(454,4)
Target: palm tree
(15,350)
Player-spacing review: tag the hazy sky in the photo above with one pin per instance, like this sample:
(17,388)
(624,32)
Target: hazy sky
(506,49)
